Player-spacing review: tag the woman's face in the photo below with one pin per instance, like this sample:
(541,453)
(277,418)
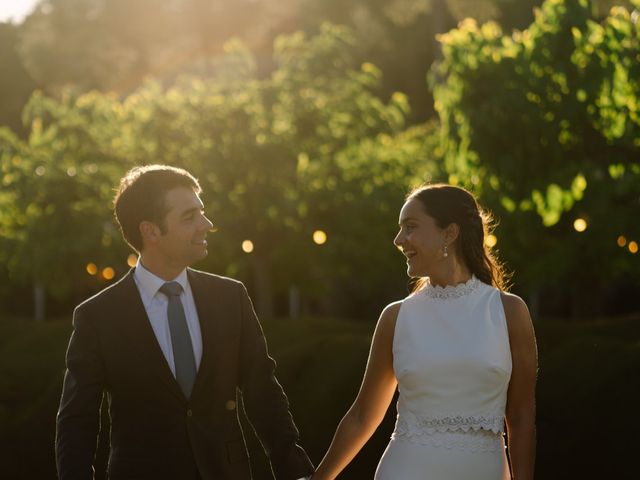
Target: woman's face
(419,239)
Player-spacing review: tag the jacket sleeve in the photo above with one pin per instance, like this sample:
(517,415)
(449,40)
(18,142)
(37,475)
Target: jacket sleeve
(78,419)
(265,402)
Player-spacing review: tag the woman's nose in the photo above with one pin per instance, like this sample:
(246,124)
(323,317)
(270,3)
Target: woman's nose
(399,239)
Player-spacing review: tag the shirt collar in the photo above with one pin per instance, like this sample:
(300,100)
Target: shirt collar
(151,283)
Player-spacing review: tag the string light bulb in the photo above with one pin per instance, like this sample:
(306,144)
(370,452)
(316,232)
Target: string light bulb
(580,225)
(319,237)
(247,246)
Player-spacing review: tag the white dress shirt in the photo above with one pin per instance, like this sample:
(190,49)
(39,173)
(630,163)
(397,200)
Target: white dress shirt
(156,302)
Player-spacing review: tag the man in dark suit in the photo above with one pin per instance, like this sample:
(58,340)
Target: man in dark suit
(171,347)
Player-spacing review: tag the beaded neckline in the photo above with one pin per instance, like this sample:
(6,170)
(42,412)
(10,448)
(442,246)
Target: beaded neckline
(451,291)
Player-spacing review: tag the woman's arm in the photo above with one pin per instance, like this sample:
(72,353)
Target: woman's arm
(371,403)
(521,407)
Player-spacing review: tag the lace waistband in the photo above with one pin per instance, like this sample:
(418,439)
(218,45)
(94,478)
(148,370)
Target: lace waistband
(475,433)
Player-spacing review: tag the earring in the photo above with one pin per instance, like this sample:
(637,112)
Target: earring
(446,252)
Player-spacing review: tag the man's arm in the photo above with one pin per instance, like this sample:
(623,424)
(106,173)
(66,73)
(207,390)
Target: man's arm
(266,403)
(78,420)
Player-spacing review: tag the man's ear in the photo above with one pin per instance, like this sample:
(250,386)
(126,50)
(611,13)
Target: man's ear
(451,233)
(149,231)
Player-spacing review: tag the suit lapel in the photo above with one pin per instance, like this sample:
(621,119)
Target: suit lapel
(140,327)
(207,306)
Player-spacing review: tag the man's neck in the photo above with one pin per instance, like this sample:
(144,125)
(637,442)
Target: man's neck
(160,267)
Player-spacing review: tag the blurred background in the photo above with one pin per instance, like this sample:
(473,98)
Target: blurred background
(306,122)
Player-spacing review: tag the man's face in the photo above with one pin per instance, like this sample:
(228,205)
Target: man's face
(184,239)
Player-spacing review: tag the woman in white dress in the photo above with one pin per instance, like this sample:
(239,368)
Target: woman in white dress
(460,350)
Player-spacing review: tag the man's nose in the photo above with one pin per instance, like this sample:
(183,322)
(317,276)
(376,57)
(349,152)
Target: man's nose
(206,223)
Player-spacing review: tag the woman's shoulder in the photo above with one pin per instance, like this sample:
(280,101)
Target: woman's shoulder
(513,305)
(390,312)
(516,313)
(389,316)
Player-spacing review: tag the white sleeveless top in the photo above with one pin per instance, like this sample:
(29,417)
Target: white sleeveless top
(452,360)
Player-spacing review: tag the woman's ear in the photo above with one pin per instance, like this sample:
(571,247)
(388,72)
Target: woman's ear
(451,233)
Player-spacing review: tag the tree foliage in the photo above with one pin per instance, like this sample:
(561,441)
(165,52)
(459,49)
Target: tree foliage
(541,123)
(57,186)
(278,157)
(115,44)
(16,85)
(545,120)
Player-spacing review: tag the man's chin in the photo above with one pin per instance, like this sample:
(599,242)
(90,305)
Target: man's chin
(196,256)
(202,254)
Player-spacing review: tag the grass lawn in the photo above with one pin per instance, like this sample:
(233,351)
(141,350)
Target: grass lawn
(588,393)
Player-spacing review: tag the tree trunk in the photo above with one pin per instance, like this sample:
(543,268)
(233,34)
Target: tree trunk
(587,299)
(39,302)
(294,301)
(264,288)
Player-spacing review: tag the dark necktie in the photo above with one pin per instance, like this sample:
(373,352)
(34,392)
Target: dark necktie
(183,356)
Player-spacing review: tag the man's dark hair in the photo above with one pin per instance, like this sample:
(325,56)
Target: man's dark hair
(142,195)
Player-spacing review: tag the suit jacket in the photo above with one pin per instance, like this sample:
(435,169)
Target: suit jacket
(157,433)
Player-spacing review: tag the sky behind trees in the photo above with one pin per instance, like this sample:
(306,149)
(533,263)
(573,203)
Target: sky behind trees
(15,10)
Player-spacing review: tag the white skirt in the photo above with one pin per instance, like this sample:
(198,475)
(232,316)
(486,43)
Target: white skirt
(473,455)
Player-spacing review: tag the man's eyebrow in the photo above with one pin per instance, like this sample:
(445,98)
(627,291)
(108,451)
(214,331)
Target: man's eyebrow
(191,210)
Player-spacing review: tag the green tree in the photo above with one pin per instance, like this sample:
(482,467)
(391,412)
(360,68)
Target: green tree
(15,83)
(115,44)
(254,141)
(57,185)
(278,157)
(361,212)
(544,124)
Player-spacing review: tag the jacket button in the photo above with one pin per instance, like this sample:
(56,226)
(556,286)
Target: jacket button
(230,405)
(189,413)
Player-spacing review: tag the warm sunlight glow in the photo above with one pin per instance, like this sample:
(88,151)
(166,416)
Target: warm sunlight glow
(16,10)
(319,237)
(247,246)
(92,269)
(491,240)
(580,224)
(108,273)
(633,247)
(622,241)
(132,259)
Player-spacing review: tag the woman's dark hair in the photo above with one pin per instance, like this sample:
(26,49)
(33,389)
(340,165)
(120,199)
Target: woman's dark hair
(141,196)
(448,204)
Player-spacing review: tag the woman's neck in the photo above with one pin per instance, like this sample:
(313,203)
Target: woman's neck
(452,273)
